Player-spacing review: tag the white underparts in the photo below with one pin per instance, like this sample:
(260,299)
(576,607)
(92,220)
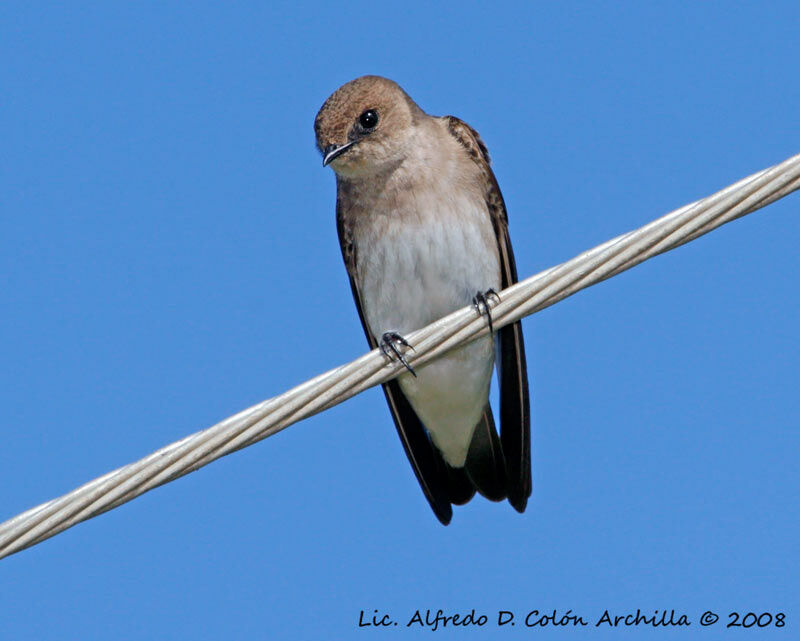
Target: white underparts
(415,266)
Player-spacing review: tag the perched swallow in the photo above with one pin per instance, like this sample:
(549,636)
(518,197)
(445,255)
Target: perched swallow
(424,231)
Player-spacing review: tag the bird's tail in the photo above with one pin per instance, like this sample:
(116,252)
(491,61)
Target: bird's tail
(485,467)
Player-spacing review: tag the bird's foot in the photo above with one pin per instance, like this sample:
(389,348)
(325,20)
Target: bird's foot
(481,303)
(389,342)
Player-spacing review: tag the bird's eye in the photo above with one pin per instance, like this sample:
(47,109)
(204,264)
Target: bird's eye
(369,119)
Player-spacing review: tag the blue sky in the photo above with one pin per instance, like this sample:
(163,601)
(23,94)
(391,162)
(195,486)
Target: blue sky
(168,256)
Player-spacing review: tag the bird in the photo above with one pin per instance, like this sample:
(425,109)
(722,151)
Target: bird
(423,231)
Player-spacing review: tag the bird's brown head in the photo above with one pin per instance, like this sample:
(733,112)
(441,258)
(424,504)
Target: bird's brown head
(364,126)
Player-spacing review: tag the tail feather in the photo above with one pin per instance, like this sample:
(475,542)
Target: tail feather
(485,465)
(459,486)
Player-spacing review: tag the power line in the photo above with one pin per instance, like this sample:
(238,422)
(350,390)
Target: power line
(333,387)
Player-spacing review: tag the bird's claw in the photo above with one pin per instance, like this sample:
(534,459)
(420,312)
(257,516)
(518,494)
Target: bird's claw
(389,347)
(481,303)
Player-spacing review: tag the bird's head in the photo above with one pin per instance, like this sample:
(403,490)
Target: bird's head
(365,126)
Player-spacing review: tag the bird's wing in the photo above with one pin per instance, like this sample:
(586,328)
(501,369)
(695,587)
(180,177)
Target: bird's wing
(515,431)
(423,456)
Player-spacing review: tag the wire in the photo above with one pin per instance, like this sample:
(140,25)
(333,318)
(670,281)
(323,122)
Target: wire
(335,386)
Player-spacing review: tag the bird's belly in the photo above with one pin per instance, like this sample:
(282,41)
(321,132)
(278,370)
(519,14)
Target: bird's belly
(413,274)
(450,394)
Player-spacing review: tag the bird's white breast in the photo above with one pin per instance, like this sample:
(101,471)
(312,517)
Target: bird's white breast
(419,258)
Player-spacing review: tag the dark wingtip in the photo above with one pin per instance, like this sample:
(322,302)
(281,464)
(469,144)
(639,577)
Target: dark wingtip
(519,503)
(515,433)
(424,457)
(444,515)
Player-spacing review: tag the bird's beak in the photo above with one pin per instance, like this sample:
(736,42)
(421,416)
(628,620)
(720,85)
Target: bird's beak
(331,152)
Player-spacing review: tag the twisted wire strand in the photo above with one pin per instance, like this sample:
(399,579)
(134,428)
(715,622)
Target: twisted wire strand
(337,385)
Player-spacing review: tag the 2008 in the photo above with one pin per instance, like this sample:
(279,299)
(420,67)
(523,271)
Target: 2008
(762,620)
